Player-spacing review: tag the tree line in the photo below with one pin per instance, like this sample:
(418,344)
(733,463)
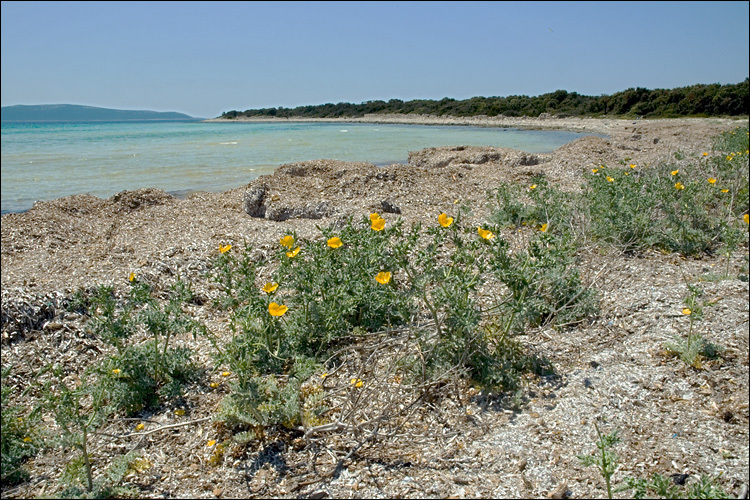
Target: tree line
(696,100)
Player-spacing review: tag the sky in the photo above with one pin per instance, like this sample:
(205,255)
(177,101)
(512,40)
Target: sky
(205,58)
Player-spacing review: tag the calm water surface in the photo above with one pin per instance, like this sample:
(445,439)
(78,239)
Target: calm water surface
(45,161)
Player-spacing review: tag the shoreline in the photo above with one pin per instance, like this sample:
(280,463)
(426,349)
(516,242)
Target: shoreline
(606,126)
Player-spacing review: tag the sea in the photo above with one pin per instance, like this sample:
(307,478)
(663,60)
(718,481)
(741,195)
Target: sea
(50,160)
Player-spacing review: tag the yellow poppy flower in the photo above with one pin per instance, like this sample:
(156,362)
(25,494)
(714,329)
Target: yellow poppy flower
(356,382)
(374,216)
(27,439)
(140,426)
(214,385)
(687,312)
(292,253)
(179,412)
(211,443)
(226,374)
(675,172)
(533,186)
(610,179)
(679,185)
(335,242)
(712,180)
(287,241)
(116,371)
(444,220)
(632,165)
(746,218)
(594,170)
(131,278)
(378,224)
(543,228)
(486,234)
(270,287)
(383,277)
(705,154)
(225,248)
(277,310)
(724,190)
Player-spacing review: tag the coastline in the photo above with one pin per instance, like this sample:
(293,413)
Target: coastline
(607,126)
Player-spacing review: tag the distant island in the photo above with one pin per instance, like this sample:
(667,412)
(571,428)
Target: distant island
(78,113)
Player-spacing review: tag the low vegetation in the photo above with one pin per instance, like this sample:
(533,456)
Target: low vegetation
(373,311)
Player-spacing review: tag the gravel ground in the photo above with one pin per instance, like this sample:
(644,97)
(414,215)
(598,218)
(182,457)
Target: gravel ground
(612,370)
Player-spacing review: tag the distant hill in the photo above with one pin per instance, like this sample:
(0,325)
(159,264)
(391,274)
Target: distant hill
(77,113)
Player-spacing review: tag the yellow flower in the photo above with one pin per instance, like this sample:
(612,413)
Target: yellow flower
(179,412)
(444,220)
(226,374)
(270,287)
(131,278)
(292,253)
(335,242)
(705,154)
(356,382)
(277,310)
(140,427)
(724,190)
(383,277)
(687,312)
(712,180)
(116,371)
(610,179)
(632,165)
(679,185)
(225,248)
(543,228)
(374,216)
(533,186)
(378,223)
(27,439)
(324,375)
(211,443)
(214,385)
(287,241)
(486,234)
(675,172)
(730,157)
(594,170)
(746,218)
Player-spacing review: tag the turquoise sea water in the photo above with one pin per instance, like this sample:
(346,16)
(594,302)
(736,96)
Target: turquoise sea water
(45,161)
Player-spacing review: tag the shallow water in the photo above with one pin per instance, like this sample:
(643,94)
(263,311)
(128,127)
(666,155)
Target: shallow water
(45,161)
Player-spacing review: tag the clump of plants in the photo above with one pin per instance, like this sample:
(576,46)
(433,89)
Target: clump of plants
(372,277)
(21,438)
(690,209)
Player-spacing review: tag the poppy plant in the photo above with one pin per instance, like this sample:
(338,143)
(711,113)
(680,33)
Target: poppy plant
(292,253)
(277,310)
(270,287)
(287,241)
(486,234)
(335,242)
(444,220)
(383,277)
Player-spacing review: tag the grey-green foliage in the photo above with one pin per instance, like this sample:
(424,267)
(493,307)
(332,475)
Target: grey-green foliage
(20,437)
(106,486)
(605,459)
(659,486)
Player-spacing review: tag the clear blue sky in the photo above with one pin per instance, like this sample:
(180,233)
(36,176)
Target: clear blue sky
(203,58)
